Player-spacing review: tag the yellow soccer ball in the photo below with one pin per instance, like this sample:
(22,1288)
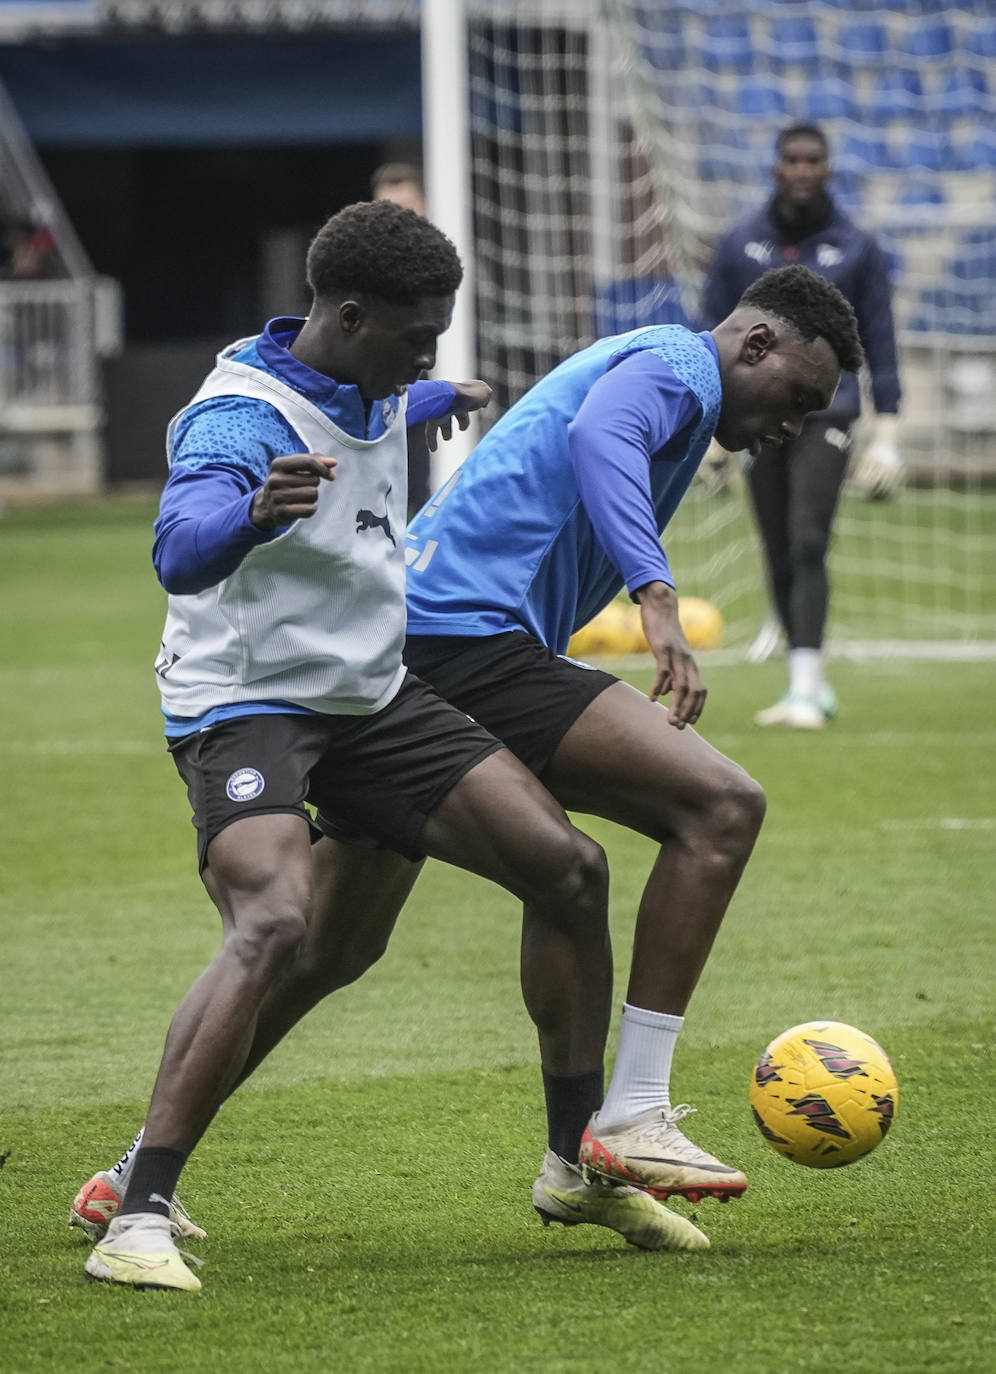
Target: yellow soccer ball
(701,622)
(824,1094)
(615,631)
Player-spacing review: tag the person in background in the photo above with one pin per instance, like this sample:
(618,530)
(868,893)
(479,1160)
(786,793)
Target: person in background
(27,252)
(401,182)
(795,486)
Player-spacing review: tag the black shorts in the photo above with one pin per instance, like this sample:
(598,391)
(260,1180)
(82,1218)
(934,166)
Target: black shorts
(519,690)
(385,772)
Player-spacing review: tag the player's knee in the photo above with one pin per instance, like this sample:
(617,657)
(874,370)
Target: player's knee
(267,941)
(580,887)
(809,546)
(736,815)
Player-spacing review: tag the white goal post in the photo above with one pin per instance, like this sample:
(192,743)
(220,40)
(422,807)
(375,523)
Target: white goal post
(612,140)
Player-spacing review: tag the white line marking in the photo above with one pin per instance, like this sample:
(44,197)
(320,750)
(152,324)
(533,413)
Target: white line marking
(942,823)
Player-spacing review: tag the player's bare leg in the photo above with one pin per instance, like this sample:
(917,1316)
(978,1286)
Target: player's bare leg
(358,895)
(262,884)
(623,761)
(502,824)
(526,843)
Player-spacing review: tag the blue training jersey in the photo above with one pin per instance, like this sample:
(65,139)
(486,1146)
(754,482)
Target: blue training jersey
(563,502)
(220,453)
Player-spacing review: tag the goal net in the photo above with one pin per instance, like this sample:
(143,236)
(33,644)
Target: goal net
(613,140)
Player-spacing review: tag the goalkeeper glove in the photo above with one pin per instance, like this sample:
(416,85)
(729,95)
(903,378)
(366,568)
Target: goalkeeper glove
(878,468)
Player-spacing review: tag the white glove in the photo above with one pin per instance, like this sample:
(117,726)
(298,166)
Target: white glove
(714,472)
(878,467)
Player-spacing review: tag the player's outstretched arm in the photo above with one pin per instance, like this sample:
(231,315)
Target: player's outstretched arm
(469,396)
(677,672)
(290,491)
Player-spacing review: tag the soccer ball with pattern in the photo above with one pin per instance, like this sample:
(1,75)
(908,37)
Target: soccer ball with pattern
(615,631)
(824,1094)
(701,622)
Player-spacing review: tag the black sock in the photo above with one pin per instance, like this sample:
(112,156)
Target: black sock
(153,1180)
(570,1101)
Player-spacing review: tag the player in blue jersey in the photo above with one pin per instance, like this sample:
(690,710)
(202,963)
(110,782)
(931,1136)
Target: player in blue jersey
(794,488)
(280,543)
(560,506)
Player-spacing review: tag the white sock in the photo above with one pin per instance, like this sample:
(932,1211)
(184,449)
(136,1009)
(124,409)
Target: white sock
(641,1077)
(805,673)
(122,1169)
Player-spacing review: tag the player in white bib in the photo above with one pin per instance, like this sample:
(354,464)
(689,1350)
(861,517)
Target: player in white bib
(280,541)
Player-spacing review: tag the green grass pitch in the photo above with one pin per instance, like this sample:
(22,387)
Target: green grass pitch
(367,1195)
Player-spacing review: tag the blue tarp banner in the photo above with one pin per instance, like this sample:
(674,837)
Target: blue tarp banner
(226,90)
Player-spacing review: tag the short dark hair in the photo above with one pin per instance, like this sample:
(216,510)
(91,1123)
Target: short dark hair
(377,248)
(813,307)
(800,129)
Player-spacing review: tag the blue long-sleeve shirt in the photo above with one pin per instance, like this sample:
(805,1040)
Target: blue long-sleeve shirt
(222,450)
(563,502)
(843,254)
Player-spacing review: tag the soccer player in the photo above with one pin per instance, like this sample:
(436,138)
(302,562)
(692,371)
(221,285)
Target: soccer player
(795,487)
(557,509)
(280,543)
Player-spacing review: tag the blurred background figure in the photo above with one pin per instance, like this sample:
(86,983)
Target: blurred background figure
(795,486)
(27,252)
(401,182)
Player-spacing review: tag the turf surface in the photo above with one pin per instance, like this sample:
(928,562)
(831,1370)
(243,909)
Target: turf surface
(367,1194)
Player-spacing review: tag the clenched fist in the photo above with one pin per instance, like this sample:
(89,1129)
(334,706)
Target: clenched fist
(290,491)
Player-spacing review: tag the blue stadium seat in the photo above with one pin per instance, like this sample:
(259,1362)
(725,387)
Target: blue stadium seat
(705,98)
(864,42)
(963,309)
(961,94)
(662,38)
(980,40)
(915,192)
(726,46)
(631,304)
(929,149)
(919,8)
(829,99)
(759,95)
(977,152)
(916,207)
(974,259)
(933,38)
(897,94)
(794,42)
(848,188)
(865,152)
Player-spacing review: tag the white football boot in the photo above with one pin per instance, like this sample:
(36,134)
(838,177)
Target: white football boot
(562,1193)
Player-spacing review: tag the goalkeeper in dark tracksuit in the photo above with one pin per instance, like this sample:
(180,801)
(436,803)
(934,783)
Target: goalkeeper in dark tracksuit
(794,489)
